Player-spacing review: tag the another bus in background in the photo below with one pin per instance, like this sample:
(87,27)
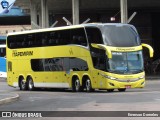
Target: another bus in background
(3,73)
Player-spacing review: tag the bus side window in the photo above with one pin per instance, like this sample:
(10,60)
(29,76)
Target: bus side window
(44,41)
(78,36)
(51,41)
(53,38)
(82,41)
(11,45)
(12,41)
(64,37)
(94,35)
(30,43)
(98,58)
(38,41)
(19,44)
(74,40)
(24,44)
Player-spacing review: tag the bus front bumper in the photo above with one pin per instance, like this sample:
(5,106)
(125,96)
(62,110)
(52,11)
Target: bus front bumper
(113,84)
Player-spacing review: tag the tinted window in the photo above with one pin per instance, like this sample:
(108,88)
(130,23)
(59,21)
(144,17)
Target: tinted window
(98,58)
(77,64)
(47,64)
(59,64)
(94,35)
(78,36)
(22,41)
(51,38)
(2,52)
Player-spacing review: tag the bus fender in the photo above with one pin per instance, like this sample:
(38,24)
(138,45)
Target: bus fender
(77,75)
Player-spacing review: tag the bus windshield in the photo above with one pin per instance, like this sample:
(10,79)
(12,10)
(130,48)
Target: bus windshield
(126,62)
(120,36)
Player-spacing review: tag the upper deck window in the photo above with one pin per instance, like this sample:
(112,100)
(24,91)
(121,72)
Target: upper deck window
(120,36)
(94,35)
(75,36)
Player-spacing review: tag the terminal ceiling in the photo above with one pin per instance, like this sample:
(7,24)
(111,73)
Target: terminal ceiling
(66,5)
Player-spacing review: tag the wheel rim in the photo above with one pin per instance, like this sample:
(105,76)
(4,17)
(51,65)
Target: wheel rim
(23,84)
(88,85)
(30,84)
(77,85)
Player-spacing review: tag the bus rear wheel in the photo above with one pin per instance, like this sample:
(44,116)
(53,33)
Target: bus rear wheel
(22,84)
(76,85)
(110,90)
(30,84)
(122,89)
(88,86)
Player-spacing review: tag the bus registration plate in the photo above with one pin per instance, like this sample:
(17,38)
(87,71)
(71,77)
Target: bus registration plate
(127,86)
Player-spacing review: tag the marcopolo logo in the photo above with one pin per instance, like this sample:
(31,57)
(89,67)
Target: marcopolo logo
(20,54)
(6,5)
(125,49)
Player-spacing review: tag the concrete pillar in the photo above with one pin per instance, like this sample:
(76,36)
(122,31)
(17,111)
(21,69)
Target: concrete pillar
(44,11)
(75,11)
(33,14)
(124,11)
(40,18)
(47,16)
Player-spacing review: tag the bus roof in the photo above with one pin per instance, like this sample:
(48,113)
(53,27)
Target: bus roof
(66,27)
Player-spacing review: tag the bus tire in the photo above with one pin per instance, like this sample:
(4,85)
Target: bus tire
(30,84)
(122,89)
(22,84)
(88,85)
(110,90)
(76,85)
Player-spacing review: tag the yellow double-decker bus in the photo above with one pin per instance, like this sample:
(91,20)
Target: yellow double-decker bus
(81,57)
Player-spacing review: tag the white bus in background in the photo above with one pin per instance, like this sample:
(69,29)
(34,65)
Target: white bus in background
(3,73)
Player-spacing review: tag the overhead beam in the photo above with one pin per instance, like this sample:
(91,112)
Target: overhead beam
(131,17)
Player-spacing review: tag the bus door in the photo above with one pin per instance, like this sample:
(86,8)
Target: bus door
(99,63)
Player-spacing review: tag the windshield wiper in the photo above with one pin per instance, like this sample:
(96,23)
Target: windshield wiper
(136,71)
(116,71)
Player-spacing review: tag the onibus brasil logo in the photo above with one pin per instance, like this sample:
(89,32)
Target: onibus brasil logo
(6,5)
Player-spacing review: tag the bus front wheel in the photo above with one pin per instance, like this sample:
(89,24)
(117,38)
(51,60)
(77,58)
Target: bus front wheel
(30,84)
(122,89)
(76,85)
(110,90)
(22,84)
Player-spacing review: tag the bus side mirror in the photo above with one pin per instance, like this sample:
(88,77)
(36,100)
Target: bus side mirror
(151,51)
(104,47)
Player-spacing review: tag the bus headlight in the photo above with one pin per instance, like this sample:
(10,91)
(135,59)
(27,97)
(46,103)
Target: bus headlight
(141,77)
(110,77)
